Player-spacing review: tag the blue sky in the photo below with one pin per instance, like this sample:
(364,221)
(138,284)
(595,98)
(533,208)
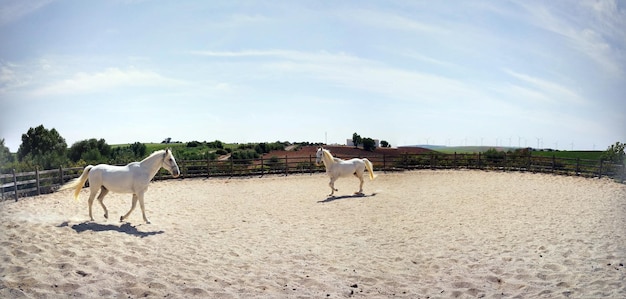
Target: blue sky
(530,73)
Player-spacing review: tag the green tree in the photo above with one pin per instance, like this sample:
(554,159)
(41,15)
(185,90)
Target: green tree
(384,143)
(194,144)
(615,153)
(262,148)
(139,149)
(127,154)
(493,155)
(122,155)
(244,156)
(356,139)
(369,144)
(216,144)
(90,150)
(5,154)
(43,147)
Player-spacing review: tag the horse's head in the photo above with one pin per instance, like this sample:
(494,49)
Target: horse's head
(169,163)
(319,156)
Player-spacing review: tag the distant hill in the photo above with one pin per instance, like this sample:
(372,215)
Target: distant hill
(461,149)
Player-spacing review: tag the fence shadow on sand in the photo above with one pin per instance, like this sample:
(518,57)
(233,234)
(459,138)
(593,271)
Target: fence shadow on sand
(97,227)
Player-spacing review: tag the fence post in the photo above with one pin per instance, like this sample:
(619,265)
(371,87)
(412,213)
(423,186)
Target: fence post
(384,162)
(600,169)
(37,180)
(208,166)
(578,166)
(14,182)
(623,170)
(553,163)
(286,166)
(406,160)
(232,166)
(61,175)
(479,162)
(262,165)
(455,163)
(310,164)
(505,162)
(432,161)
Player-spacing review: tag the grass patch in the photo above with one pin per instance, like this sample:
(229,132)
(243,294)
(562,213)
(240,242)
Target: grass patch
(586,155)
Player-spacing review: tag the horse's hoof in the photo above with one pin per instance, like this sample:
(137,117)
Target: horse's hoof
(106,216)
(121,218)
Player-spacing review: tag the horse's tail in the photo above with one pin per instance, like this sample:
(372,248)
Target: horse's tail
(77,183)
(370,168)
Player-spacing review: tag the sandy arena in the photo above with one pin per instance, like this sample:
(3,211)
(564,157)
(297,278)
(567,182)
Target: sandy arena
(419,234)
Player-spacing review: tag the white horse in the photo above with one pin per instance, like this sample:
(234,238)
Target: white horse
(336,168)
(132,178)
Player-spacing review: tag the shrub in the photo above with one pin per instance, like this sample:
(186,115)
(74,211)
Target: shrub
(615,153)
(194,144)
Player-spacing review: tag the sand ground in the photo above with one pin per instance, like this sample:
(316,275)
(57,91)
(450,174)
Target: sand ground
(419,234)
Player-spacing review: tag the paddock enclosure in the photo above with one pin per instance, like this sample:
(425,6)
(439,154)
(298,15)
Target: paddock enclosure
(414,234)
(14,185)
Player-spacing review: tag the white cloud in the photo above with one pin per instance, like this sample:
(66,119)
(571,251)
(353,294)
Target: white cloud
(598,33)
(12,10)
(320,56)
(383,20)
(106,80)
(548,90)
(7,75)
(355,73)
(10,78)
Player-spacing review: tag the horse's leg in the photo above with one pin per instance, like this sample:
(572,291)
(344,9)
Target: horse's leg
(103,193)
(92,196)
(332,186)
(132,207)
(360,176)
(143,210)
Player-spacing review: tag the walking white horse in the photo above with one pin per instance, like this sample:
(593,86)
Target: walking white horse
(336,168)
(132,178)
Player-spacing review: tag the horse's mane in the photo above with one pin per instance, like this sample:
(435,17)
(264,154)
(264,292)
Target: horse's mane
(329,155)
(159,152)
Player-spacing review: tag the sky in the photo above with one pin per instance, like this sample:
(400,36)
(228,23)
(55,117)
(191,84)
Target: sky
(543,74)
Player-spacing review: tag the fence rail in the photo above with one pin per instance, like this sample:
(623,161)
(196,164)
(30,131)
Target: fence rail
(15,185)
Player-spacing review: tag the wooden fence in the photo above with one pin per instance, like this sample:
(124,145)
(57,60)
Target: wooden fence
(15,185)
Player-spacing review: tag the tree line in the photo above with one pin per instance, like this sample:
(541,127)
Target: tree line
(47,149)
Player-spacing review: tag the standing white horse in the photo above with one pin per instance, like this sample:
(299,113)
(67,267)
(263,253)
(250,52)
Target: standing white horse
(336,168)
(132,178)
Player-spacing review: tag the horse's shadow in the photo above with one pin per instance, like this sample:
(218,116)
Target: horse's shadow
(97,227)
(356,195)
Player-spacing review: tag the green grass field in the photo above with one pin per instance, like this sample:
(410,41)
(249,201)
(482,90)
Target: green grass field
(588,155)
